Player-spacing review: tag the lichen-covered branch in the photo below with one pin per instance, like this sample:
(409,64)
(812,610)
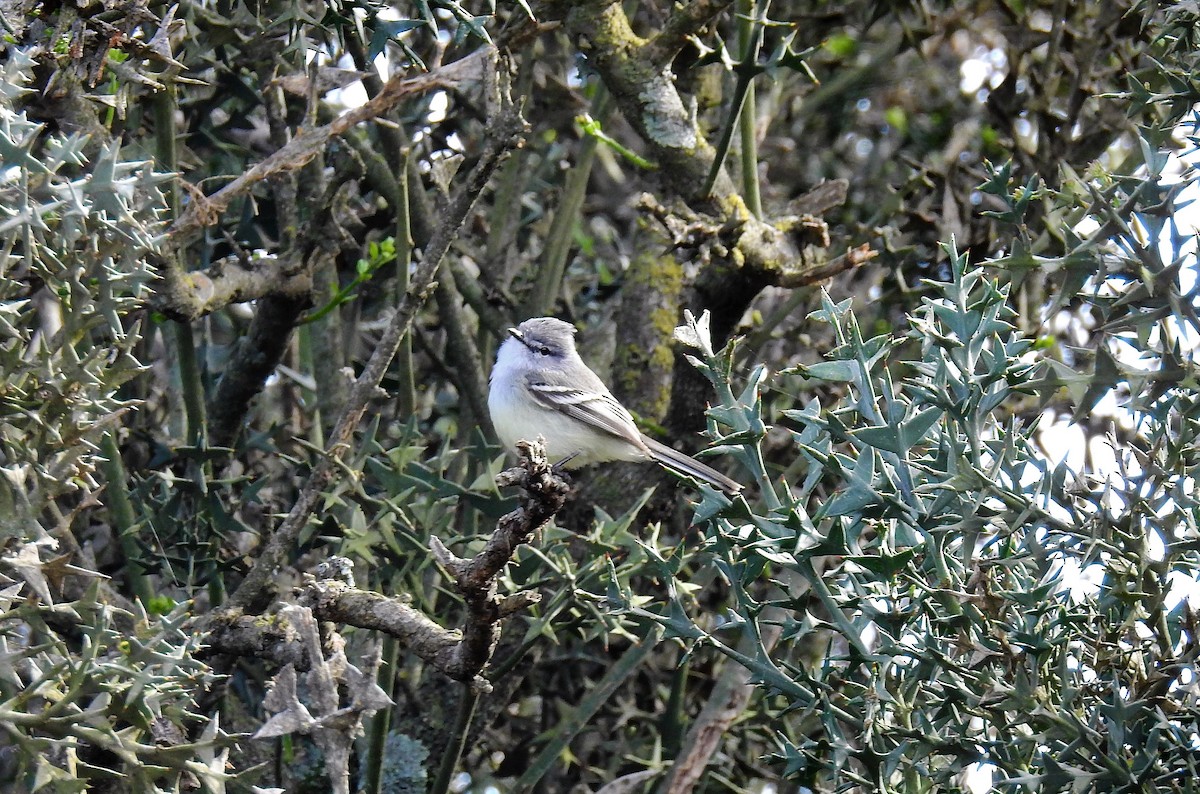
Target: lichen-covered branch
(340,603)
(646,94)
(266,637)
(274,638)
(231,280)
(751,249)
(733,253)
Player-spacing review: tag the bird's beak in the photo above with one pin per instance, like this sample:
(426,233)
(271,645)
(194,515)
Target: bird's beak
(515,333)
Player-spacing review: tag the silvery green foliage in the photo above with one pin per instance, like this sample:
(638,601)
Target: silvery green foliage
(110,705)
(90,695)
(934,576)
(73,243)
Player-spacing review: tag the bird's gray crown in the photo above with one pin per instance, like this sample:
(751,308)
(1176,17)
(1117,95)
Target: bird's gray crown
(546,332)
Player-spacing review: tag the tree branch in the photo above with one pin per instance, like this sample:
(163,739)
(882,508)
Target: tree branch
(461,654)
(310,142)
(231,280)
(686,20)
(543,495)
(256,356)
(646,95)
(503,135)
(186,295)
(750,252)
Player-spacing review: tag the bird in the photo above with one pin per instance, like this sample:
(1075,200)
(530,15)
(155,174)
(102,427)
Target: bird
(540,386)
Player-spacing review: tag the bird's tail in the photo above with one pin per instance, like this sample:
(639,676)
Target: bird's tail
(684,464)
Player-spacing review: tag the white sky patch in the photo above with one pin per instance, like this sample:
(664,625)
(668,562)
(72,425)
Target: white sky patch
(986,68)
(978,777)
(353,95)
(973,73)
(1080,583)
(1065,437)
(439,104)
(1183,588)
(1087,226)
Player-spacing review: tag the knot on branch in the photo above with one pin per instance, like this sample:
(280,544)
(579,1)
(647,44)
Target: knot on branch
(543,493)
(545,488)
(697,236)
(339,568)
(792,249)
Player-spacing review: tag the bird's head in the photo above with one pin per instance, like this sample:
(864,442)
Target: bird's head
(545,337)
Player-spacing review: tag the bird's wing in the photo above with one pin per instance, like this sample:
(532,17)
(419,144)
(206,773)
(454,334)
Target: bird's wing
(596,408)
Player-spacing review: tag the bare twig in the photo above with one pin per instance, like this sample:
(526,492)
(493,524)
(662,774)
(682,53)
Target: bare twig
(804,275)
(310,142)
(687,19)
(342,604)
(275,639)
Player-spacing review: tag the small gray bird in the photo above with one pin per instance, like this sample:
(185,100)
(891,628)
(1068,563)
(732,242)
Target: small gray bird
(540,386)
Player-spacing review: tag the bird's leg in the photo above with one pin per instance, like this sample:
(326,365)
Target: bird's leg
(560,467)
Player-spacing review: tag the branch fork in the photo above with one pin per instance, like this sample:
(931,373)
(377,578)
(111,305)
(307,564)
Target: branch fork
(461,654)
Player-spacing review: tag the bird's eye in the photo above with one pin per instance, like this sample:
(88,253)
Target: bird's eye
(545,351)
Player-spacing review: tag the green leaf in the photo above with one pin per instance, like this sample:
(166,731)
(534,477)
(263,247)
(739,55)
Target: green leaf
(833,371)
(902,437)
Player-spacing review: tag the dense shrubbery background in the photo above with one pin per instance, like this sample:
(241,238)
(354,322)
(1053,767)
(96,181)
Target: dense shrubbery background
(245,327)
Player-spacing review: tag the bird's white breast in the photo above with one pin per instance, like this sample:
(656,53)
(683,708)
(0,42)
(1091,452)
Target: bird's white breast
(517,415)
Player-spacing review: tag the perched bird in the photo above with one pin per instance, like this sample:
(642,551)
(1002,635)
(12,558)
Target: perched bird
(540,386)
